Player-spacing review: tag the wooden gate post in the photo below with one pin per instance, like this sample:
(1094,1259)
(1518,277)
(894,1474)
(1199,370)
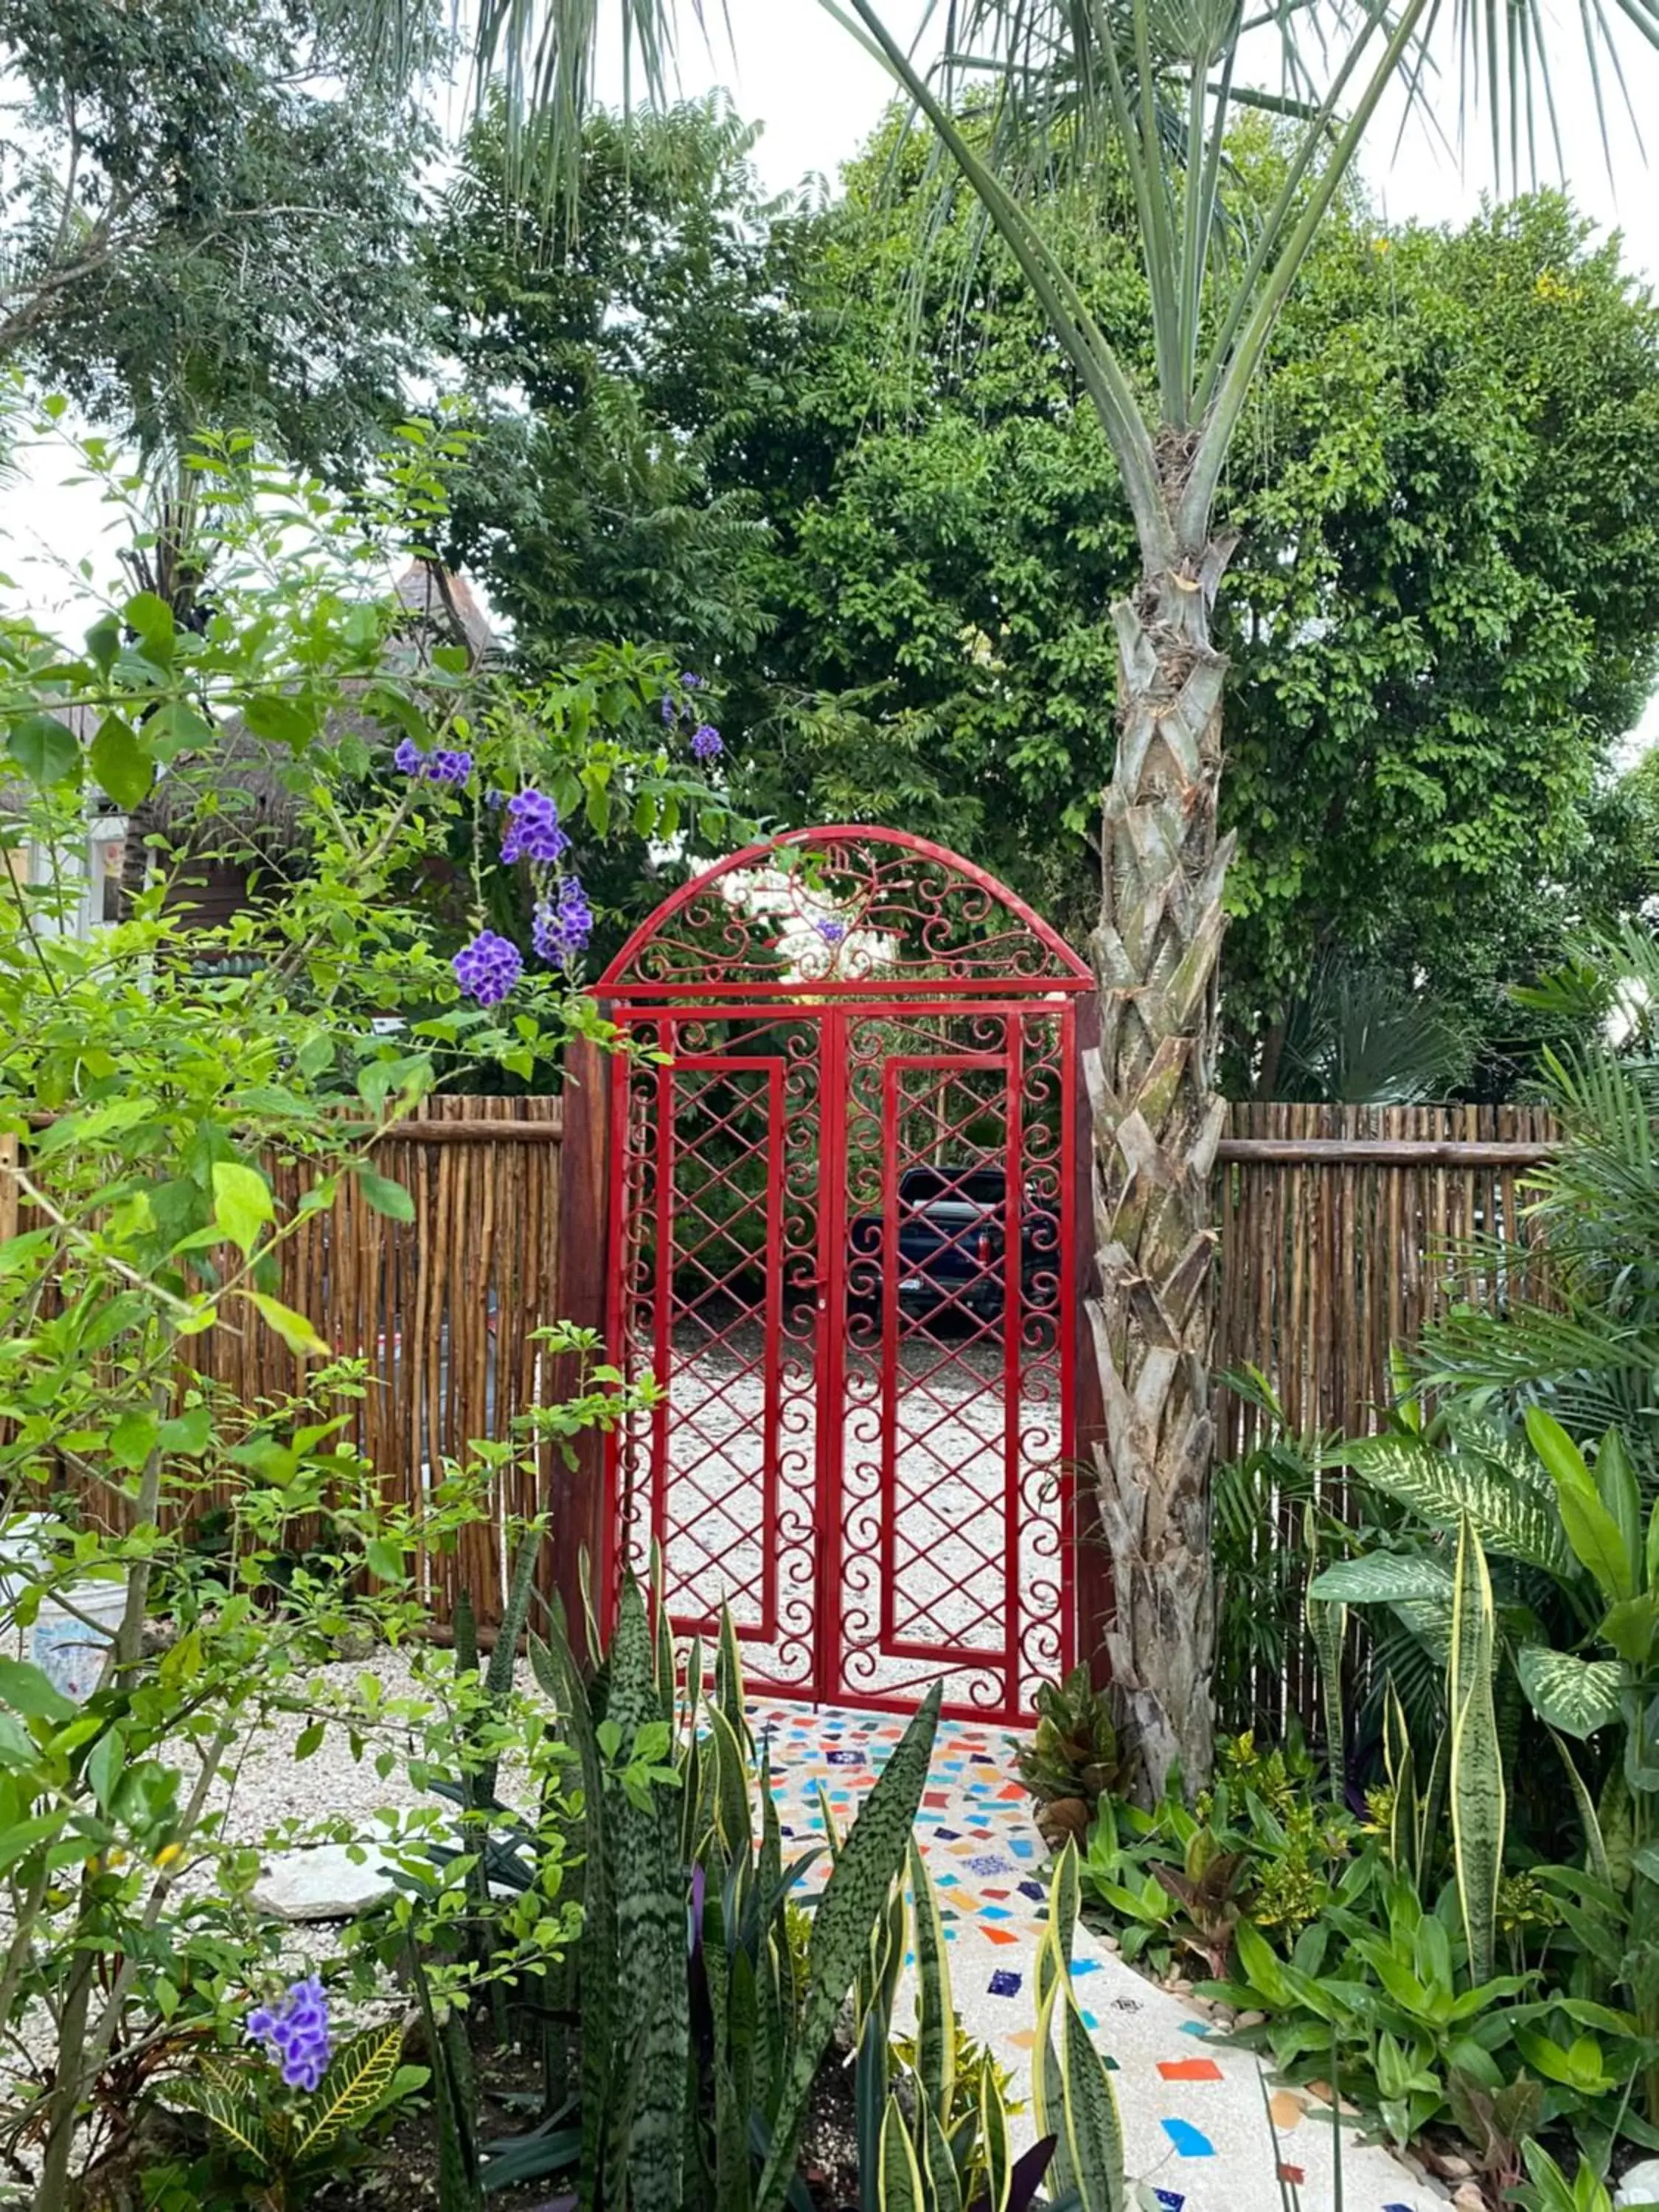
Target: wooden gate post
(578,1501)
(1091,1567)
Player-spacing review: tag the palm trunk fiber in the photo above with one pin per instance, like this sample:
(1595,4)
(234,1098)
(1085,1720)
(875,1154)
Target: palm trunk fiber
(1157,1123)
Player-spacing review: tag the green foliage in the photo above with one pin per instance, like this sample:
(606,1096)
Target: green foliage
(286,2142)
(1072,1757)
(606,366)
(153,1073)
(203,228)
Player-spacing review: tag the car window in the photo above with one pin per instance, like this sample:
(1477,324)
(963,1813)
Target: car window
(985,1188)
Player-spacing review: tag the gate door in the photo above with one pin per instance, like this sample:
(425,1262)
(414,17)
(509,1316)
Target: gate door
(841,1243)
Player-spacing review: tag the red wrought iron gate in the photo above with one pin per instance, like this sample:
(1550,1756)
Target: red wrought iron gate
(842,1241)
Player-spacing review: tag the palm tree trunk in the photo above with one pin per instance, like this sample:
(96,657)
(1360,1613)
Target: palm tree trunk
(1157,1123)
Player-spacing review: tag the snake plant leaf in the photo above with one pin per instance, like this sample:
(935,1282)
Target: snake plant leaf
(553,1665)
(853,1898)
(872,2088)
(1093,2128)
(935,2040)
(733,1817)
(1400,1765)
(901,2183)
(1596,1537)
(498,1677)
(654,2028)
(1577,1696)
(353,2089)
(1072,2100)
(728,1679)
(1477,1759)
(1594,1845)
(994,2140)
(938,2169)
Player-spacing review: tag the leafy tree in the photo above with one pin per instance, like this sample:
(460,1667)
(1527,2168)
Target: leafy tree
(1430,657)
(605,356)
(198,226)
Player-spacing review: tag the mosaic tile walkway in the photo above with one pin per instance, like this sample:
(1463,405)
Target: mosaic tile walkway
(1193,2109)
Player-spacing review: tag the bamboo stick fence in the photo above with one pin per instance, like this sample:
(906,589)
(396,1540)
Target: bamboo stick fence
(1343,1230)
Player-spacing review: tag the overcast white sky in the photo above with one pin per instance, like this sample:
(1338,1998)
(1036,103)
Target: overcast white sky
(790,67)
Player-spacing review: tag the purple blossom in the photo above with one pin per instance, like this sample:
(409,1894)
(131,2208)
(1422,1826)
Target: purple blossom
(832,932)
(690,682)
(670,711)
(487,969)
(562,924)
(532,830)
(441,765)
(707,744)
(295,2030)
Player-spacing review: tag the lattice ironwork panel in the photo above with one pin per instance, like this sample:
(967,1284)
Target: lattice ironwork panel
(842,1243)
(718,1294)
(957,1433)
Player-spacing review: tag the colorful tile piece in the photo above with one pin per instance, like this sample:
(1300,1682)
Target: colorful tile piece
(1190,2142)
(1004,1984)
(1189,2069)
(990,1865)
(1168,2200)
(1294,2174)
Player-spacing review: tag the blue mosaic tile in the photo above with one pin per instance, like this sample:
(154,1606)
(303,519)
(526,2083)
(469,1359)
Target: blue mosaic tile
(1190,2142)
(845,1758)
(989,1864)
(1084,1967)
(1195,2027)
(1003,1984)
(1033,1890)
(1170,2200)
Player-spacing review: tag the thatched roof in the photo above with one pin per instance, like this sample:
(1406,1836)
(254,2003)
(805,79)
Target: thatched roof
(245,776)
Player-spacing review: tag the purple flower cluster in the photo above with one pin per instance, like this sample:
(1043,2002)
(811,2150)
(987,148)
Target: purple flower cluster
(439,766)
(832,932)
(487,969)
(562,924)
(707,744)
(533,830)
(295,2030)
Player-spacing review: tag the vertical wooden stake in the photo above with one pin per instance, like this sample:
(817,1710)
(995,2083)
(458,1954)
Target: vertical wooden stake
(577,1497)
(9,1209)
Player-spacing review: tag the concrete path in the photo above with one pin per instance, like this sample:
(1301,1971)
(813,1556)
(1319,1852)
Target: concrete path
(1194,2112)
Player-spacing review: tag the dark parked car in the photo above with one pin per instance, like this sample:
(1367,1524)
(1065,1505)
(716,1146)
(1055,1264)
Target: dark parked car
(952,1246)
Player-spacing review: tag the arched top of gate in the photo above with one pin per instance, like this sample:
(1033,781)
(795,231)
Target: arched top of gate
(852,912)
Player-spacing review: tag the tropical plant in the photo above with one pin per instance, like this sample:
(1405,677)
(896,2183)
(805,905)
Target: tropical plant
(1071,1759)
(288,2141)
(683,2034)
(152,1074)
(1143,98)
(1576,1328)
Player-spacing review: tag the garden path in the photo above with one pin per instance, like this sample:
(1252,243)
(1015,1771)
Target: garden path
(1196,2112)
